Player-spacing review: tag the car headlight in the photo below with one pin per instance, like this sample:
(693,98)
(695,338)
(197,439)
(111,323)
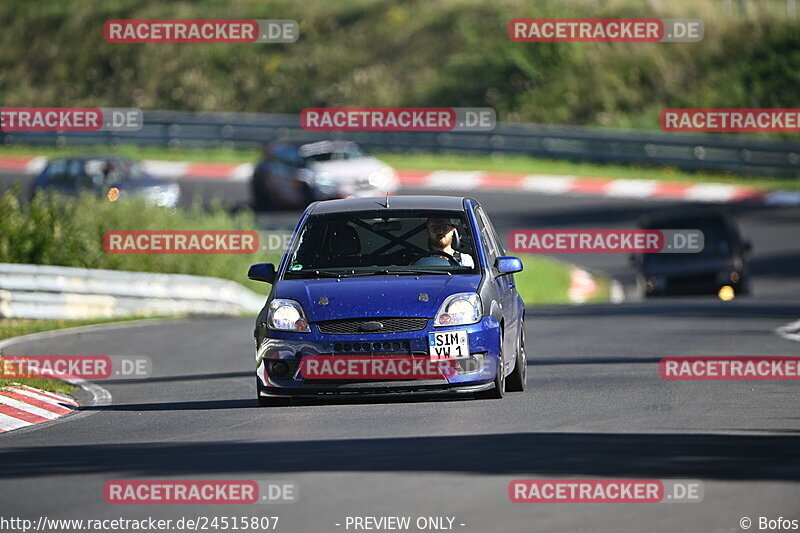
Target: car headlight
(656,283)
(459,309)
(165,196)
(325,179)
(286,315)
(381,178)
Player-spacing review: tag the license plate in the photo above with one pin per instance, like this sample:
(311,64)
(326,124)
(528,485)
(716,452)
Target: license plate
(443,344)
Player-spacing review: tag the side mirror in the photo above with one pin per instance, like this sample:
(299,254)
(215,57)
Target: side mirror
(508,265)
(747,247)
(634,260)
(262,272)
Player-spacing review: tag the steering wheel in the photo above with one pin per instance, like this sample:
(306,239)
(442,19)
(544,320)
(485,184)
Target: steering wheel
(438,253)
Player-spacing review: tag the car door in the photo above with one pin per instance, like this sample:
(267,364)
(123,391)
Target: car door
(504,285)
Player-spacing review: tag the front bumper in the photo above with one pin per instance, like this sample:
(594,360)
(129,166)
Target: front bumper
(290,348)
(701,284)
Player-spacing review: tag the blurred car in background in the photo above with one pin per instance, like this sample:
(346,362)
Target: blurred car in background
(721,263)
(114,177)
(293,174)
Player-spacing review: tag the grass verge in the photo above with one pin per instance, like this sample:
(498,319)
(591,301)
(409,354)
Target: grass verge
(48,385)
(545,281)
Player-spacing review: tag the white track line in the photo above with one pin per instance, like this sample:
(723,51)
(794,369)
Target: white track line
(545,184)
(631,188)
(453,180)
(790,331)
(711,192)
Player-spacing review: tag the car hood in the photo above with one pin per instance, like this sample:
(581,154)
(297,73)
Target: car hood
(349,169)
(379,296)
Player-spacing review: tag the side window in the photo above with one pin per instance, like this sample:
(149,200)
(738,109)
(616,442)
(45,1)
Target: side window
(288,155)
(486,236)
(497,241)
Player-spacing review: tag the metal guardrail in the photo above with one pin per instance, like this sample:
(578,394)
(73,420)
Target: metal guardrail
(39,291)
(718,152)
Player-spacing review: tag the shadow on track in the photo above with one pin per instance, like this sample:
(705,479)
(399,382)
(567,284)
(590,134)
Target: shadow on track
(730,457)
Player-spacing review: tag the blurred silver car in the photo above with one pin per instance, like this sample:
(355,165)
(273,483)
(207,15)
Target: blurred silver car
(293,174)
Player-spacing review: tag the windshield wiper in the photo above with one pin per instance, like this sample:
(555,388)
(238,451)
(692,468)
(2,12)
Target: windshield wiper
(411,271)
(318,273)
(330,273)
(380,272)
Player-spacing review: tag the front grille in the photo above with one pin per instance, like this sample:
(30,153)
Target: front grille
(703,283)
(352,326)
(399,347)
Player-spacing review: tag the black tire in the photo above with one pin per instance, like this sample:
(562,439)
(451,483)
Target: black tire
(270,401)
(499,390)
(517,380)
(260,191)
(308,196)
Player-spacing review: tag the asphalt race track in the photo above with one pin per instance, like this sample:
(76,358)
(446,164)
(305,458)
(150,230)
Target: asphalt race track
(596,407)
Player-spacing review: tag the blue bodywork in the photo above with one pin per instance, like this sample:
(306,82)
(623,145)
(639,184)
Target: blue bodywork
(416,296)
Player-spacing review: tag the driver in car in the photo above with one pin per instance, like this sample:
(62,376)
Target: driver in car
(441,234)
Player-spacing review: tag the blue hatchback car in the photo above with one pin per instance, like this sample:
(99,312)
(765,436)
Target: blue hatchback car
(397,277)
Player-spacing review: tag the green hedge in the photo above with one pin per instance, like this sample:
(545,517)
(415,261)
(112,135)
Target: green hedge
(53,231)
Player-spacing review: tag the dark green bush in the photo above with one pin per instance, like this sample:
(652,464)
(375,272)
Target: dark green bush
(69,232)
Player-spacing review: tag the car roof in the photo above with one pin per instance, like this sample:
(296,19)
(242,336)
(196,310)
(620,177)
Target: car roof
(685,215)
(396,203)
(333,144)
(85,158)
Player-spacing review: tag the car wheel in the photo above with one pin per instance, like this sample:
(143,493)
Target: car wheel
(517,380)
(308,196)
(271,401)
(261,197)
(499,390)
(640,287)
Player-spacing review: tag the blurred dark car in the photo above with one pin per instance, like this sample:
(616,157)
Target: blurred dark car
(721,263)
(114,177)
(293,174)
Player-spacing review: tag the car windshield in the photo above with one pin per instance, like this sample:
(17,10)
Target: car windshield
(381,243)
(718,243)
(94,172)
(329,151)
